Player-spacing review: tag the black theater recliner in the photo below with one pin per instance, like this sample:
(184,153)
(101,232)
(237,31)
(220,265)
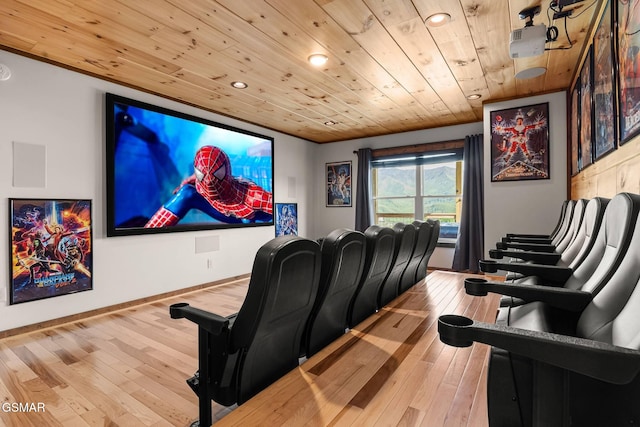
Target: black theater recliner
(378,261)
(587,376)
(422,239)
(421,271)
(343,255)
(242,354)
(404,243)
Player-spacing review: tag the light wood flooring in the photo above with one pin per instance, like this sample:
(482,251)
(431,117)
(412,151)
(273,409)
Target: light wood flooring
(128,368)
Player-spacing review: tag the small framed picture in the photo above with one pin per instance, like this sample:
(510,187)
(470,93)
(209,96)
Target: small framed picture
(286,219)
(51,248)
(339,184)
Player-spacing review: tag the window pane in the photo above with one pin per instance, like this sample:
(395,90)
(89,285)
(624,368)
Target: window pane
(396,182)
(398,196)
(443,209)
(388,212)
(400,205)
(439,179)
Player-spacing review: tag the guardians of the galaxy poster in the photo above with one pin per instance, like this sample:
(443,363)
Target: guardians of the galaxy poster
(51,248)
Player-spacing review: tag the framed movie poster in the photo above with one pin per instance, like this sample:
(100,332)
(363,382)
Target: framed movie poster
(586,111)
(286,219)
(520,143)
(604,111)
(575,129)
(628,38)
(339,184)
(51,248)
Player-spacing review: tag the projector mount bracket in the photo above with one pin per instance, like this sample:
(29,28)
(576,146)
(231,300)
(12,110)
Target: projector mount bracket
(528,14)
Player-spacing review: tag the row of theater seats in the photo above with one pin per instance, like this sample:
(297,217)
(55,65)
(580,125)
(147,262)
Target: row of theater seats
(566,341)
(302,295)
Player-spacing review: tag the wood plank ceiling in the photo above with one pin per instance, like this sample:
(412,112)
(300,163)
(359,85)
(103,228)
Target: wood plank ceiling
(387,71)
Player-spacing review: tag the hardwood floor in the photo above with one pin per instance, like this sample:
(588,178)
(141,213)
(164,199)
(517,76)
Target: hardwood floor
(129,367)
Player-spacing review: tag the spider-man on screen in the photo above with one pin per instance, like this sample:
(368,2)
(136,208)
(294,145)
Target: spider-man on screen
(169,171)
(213,189)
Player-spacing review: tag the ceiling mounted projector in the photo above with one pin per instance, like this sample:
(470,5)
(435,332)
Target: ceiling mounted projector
(530,40)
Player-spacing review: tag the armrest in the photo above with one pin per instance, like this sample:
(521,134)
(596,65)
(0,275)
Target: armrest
(210,322)
(565,299)
(605,362)
(526,246)
(551,273)
(545,258)
(528,236)
(539,240)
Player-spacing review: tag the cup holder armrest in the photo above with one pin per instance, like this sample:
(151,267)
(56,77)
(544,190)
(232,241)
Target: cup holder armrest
(545,258)
(551,273)
(536,240)
(538,247)
(605,362)
(564,299)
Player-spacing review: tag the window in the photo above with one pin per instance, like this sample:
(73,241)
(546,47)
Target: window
(422,186)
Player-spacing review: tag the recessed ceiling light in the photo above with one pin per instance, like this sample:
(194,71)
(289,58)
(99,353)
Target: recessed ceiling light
(438,19)
(330,123)
(318,59)
(239,85)
(474,96)
(530,73)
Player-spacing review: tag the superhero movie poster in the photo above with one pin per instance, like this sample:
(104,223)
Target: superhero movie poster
(171,172)
(628,53)
(51,248)
(339,184)
(286,219)
(604,101)
(520,143)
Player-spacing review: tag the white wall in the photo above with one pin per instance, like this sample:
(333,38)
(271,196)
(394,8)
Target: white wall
(64,112)
(330,218)
(527,206)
